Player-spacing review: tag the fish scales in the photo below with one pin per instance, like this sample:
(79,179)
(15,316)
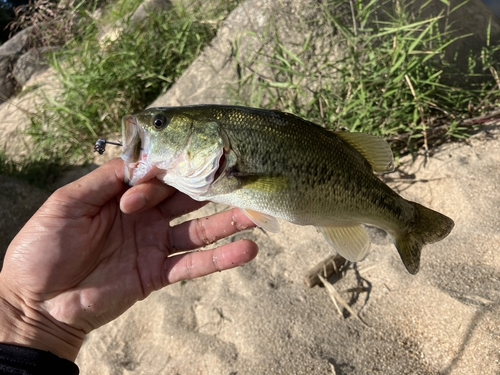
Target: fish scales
(274,164)
(322,170)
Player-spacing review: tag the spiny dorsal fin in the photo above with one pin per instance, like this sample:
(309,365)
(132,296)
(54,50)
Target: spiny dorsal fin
(374,149)
(352,243)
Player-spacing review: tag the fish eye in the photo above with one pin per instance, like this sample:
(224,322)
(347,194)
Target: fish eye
(160,121)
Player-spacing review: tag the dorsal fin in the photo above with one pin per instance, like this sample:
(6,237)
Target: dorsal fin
(374,149)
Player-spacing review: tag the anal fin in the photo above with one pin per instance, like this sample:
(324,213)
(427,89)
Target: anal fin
(264,221)
(352,242)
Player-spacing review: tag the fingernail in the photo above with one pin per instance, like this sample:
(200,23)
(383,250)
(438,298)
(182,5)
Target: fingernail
(132,203)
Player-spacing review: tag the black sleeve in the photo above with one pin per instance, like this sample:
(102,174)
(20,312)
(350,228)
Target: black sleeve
(19,360)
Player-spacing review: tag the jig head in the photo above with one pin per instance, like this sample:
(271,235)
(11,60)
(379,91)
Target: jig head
(100,145)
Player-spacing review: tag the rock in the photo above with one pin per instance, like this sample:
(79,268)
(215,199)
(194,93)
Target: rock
(9,53)
(17,44)
(251,28)
(19,202)
(149,6)
(15,114)
(494,5)
(31,62)
(7,84)
(110,33)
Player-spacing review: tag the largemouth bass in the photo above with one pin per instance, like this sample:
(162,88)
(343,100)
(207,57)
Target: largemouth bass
(272,165)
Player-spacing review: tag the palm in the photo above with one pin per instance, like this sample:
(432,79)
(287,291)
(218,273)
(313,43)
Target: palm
(106,271)
(101,261)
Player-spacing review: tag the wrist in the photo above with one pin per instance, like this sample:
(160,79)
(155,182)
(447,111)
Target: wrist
(26,326)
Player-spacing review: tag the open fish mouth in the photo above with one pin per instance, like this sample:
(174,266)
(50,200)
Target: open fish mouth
(134,152)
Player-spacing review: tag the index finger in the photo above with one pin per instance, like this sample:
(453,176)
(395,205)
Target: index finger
(93,190)
(145,196)
(108,182)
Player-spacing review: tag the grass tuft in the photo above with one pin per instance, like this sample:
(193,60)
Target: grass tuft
(392,81)
(112,67)
(388,76)
(103,80)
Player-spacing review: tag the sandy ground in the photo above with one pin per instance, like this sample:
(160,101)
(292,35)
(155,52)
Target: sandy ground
(261,319)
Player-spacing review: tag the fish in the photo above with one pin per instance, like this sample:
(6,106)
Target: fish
(272,164)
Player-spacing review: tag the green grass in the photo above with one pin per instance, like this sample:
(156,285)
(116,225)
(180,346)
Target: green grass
(104,79)
(392,80)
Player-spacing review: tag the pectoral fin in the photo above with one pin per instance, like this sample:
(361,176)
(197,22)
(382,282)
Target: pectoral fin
(233,180)
(352,243)
(263,183)
(264,221)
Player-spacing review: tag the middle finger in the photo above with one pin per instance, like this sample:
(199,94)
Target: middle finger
(207,230)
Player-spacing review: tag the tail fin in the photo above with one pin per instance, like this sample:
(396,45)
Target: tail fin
(429,226)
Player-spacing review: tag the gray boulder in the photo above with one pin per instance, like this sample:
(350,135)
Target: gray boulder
(9,53)
(250,32)
(147,7)
(17,44)
(31,62)
(7,84)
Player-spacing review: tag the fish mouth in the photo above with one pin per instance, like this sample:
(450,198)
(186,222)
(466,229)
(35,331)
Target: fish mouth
(222,166)
(134,154)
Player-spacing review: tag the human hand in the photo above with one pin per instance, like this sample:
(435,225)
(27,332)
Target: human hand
(80,261)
